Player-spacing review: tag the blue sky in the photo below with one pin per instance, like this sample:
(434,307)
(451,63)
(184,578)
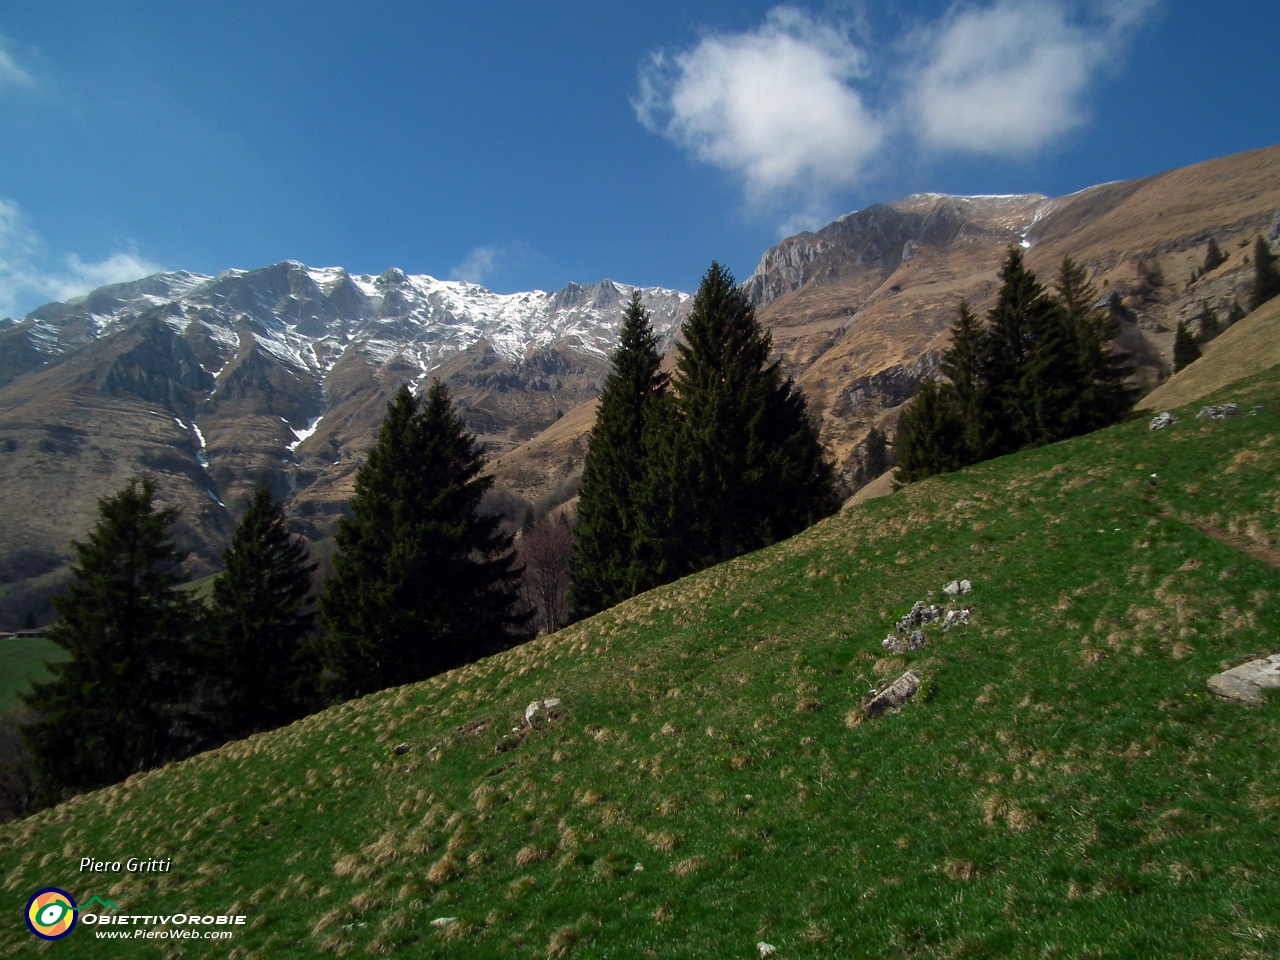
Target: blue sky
(527,145)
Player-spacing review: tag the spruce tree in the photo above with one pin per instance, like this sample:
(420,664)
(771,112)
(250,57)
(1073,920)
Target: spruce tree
(965,366)
(1185,350)
(1023,313)
(1235,314)
(1207,324)
(1105,391)
(121,703)
(740,465)
(1266,279)
(1213,256)
(260,622)
(930,434)
(876,461)
(422,582)
(605,568)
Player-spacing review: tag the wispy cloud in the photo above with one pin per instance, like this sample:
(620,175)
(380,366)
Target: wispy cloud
(478,265)
(775,106)
(799,107)
(12,75)
(29,275)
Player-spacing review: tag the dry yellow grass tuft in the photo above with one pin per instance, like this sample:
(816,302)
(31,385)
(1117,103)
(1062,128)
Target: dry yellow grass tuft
(663,841)
(960,869)
(562,941)
(613,816)
(855,718)
(442,870)
(685,867)
(527,856)
(662,915)
(887,665)
(807,705)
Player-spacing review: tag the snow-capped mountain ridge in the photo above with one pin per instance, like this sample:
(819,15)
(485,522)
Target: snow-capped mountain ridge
(311,317)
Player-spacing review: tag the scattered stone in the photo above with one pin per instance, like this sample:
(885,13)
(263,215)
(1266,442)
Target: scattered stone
(1245,683)
(1255,411)
(766,949)
(955,618)
(895,695)
(538,708)
(1162,420)
(919,616)
(898,644)
(444,921)
(400,749)
(1224,412)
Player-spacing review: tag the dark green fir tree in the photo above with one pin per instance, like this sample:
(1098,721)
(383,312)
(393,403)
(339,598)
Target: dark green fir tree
(1106,391)
(1023,314)
(1213,256)
(741,465)
(1266,279)
(876,456)
(605,568)
(1235,313)
(929,439)
(261,620)
(1185,349)
(121,702)
(1207,326)
(965,366)
(422,581)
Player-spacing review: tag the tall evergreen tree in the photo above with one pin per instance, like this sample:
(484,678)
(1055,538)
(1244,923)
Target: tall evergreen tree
(965,366)
(876,461)
(605,567)
(422,582)
(1207,324)
(1023,313)
(1106,393)
(930,434)
(1235,314)
(1266,279)
(741,465)
(120,704)
(1213,256)
(1185,349)
(260,622)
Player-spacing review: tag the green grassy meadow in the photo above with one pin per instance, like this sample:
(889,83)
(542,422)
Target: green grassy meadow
(21,662)
(1063,786)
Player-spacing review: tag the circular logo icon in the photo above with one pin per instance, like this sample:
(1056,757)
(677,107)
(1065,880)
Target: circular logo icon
(51,913)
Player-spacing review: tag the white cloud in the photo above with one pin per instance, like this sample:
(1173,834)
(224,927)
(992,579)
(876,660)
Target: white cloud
(1008,78)
(774,106)
(478,265)
(788,107)
(10,73)
(26,279)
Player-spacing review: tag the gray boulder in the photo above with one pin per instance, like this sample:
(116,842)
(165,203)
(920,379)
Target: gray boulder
(895,695)
(1162,420)
(1245,683)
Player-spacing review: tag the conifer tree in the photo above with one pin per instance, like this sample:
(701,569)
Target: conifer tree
(120,704)
(965,366)
(1213,257)
(1185,350)
(876,461)
(1266,279)
(1235,314)
(605,567)
(260,622)
(741,465)
(929,439)
(1207,324)
(1105,392)
(1023,313)
(422,582)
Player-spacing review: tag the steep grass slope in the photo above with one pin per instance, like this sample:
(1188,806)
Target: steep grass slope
(1245,348)
(1063,785)
(22,661)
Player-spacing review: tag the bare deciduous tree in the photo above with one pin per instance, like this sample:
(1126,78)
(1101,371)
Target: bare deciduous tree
(544,550)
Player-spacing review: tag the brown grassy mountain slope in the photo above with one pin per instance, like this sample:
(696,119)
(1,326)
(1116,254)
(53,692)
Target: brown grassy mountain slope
(862,309)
